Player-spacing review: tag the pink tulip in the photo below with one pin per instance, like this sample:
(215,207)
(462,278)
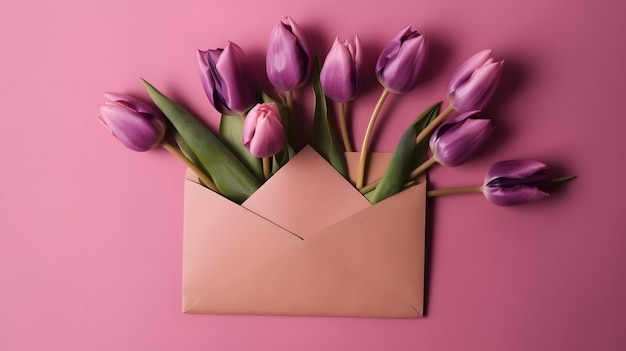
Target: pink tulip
(401,62)
(458,138)
(289,61)
(474,82)
(227,79)
(341,73)
(133,122)
(263,133)
(515,182)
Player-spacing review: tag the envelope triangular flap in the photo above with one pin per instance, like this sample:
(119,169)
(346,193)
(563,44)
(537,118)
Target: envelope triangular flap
(306,195)
(368,265)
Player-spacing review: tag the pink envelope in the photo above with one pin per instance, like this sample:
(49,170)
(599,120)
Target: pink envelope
(306,243)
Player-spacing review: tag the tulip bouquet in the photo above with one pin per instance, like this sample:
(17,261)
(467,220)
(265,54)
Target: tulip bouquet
(256,136)
(257,194)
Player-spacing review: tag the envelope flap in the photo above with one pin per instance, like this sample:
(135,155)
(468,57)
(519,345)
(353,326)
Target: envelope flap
(306,195)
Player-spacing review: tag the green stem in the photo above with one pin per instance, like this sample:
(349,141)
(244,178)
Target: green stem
(561,180)
(286,120)
(432,125)
(344,127)
(203,177)
(452,191)
(267,167)
(366,139)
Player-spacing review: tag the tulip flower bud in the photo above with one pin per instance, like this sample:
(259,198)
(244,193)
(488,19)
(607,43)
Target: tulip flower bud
(515,182)
(133,122)
(458,138)
(401,61)
(341,73)
(288,62)
(474,82)
(227,80)
(263,133)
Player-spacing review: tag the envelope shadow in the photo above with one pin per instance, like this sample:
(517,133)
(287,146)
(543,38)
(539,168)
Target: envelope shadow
(428,250)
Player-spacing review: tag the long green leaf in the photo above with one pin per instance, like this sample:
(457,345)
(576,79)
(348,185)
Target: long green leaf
(324,138)
(406,158)
(231,128)
(186,150)
(231,177)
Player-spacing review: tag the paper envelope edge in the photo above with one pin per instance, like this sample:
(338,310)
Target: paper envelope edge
(286,243)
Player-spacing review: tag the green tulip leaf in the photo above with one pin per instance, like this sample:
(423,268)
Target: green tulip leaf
(324,138)
(407,157)
(282,157)
(231,177)
(231,129)
(186,150)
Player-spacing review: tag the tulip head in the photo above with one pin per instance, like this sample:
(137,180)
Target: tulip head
(288,62)
(515,182)
(133,122)
(227,80)
(263,133)
(401,61)
(458,138)
(341,73)
(473,83)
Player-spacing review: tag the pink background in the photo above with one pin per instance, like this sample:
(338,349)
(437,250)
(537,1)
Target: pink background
(90,232)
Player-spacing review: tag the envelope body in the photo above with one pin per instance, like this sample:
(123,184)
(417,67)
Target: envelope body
(306,243)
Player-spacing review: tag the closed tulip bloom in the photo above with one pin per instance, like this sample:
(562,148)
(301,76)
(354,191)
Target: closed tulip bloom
(458,138)
(515,182)
(133,122)
(227,80)
(473,83)
(401,61)
(288,62)
(341,73)
(263,133)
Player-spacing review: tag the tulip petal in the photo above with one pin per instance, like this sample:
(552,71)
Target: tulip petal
(514,169)
(339,74)
(513,196)
(227,80)
(461,141)
(238,88)
(465,70)
(131,103)
(263,134)
(137,131)
(268,137)
(207,77)
(401,74)
(399,65)
(478,88)
(288,62)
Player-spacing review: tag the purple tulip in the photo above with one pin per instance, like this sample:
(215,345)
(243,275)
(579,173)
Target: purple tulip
(288,63)
(227,80)
(401,61)
(515,182)
(133,122)
(474,82)
(263,133)
(458,138)
(341,74)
